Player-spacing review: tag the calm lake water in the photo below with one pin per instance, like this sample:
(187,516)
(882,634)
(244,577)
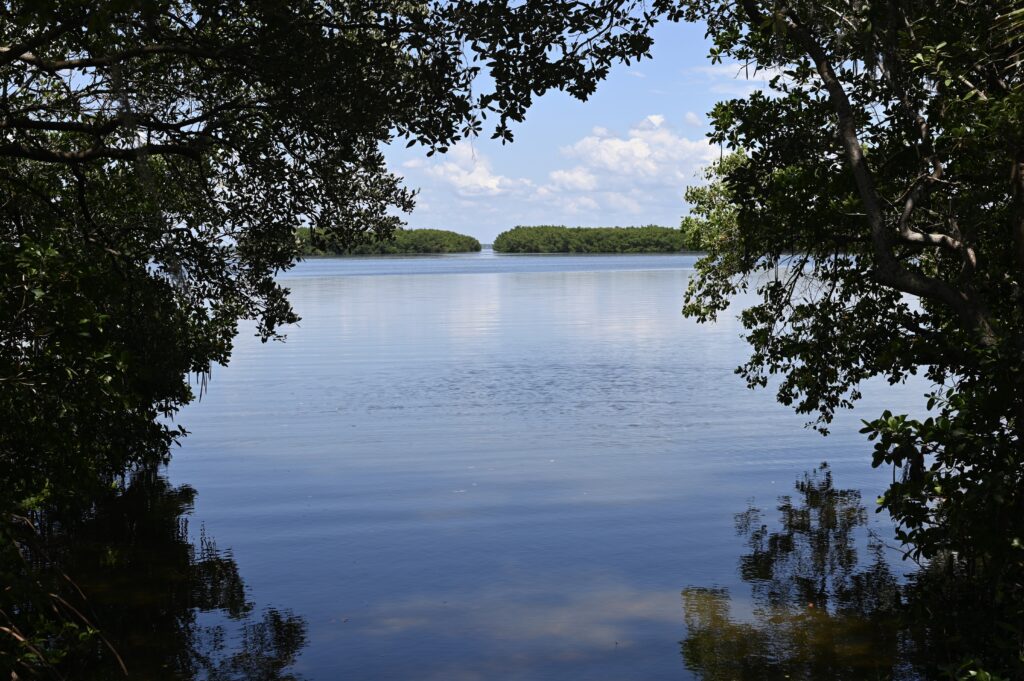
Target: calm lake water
(497,467)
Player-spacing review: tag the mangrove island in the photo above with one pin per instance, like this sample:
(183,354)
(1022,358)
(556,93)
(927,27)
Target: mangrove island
(402,242)
(560,239)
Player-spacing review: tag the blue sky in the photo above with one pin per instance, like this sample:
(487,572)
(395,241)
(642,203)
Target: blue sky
(622,158)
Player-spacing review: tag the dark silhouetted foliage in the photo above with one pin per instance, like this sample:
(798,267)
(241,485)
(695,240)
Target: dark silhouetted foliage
(167,604)
(820,611)
(156,160)
(879,218)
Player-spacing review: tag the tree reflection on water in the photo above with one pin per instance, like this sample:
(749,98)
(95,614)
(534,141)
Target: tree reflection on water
(171,607)
(817,611)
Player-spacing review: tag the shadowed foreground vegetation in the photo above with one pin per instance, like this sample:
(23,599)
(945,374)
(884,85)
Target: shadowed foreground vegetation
(402,241)
(825,604)
(558,239)
(126,590)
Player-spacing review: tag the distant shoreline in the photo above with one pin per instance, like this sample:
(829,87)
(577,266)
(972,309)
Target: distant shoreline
(488,248)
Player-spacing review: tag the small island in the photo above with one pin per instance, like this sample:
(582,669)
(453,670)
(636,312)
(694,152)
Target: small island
(403,242)
(560,239)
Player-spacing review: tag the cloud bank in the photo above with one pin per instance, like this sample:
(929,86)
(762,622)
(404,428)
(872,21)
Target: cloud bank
(602,178)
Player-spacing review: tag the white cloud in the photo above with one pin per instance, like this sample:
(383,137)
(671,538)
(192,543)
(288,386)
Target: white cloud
(601,178)
(470,174)
(693,119)
(575,178)
(624,202)
(734,79)
(649,151)
(737,71)
(581,204)
(631,178)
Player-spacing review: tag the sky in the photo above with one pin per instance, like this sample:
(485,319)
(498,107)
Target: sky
(622,158)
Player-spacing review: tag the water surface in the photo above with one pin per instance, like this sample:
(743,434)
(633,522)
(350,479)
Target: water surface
(497,467)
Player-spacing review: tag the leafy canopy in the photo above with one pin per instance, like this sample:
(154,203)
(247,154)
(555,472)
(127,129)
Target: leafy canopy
(885,175)
(712,217)
(158,156)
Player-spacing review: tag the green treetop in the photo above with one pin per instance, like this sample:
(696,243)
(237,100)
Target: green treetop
(401,241)
(560,239)
(712,219)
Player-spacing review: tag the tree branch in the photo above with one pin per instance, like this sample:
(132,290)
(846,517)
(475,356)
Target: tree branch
(14,52)
(100,129)
(888,271)
(14,150)
(1017,182)
(111,59)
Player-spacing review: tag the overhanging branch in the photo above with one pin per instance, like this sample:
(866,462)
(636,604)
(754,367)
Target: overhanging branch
(889,271)
(14,150)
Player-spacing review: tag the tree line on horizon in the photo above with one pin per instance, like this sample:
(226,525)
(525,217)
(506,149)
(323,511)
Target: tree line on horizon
(695,235)
(562,239)
(399,242)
